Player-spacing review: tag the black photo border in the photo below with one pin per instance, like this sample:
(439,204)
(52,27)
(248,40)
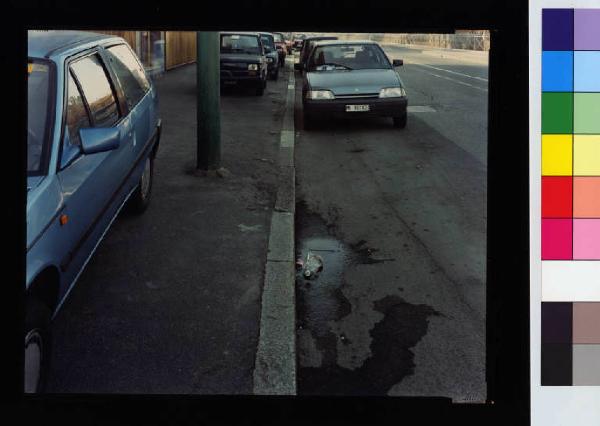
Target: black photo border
(507,325)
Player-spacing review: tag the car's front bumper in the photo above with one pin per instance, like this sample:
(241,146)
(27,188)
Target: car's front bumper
(240,77)
(380,107)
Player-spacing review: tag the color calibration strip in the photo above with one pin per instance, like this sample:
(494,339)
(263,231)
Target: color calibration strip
(570,197)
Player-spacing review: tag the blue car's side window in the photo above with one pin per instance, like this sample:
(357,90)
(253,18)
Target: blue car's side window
(97,90)
(76,118)
(129,72)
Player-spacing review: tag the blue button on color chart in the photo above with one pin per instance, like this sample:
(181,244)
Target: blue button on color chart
(557,71)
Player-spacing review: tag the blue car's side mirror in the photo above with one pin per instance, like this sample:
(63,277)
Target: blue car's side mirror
(99,139)
(397,62)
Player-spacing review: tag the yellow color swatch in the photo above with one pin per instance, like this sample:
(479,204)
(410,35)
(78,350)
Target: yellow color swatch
(557,155)
(587,155)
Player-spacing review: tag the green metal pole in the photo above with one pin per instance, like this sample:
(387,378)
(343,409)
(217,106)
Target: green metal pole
(208,97)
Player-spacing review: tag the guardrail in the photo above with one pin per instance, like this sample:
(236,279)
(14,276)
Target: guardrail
(445,41)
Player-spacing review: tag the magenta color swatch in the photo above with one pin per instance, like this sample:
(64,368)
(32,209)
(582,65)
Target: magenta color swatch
(586,239)
(587,29)
(557,239)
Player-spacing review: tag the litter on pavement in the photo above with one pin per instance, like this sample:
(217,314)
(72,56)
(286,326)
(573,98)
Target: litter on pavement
(312,265)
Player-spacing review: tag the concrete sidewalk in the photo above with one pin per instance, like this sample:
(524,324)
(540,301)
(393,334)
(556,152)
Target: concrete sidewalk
(170,303)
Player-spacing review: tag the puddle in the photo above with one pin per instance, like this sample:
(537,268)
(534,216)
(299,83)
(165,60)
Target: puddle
(320,301)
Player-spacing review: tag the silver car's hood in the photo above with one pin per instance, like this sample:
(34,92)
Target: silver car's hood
(353,82)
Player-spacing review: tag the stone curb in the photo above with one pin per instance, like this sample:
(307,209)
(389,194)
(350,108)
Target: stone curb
(275,365)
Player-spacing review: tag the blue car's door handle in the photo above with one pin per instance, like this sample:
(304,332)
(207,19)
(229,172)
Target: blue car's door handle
(126,130)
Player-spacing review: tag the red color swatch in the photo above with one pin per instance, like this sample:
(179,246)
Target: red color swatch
(557,196)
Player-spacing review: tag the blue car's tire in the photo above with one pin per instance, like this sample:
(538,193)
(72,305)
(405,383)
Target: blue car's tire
(140,199)
(38,346)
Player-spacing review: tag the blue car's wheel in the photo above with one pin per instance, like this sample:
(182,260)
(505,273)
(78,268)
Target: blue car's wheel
(140,199)
(37,347)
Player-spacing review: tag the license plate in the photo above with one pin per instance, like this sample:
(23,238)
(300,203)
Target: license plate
(357,108)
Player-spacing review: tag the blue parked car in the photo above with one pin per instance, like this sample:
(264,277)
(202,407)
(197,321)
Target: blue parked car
(93,131)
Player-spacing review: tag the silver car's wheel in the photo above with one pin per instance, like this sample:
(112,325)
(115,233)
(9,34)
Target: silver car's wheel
(34,349)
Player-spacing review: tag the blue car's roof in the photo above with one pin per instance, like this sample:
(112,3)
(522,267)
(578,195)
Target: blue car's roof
(42,44)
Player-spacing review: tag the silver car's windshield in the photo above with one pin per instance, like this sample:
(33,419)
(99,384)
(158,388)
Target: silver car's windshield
(38,96)
(348,56)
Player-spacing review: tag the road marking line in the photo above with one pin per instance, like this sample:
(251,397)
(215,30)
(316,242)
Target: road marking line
(287,139)
(449,71)
(457,81)
(419,108)
(275,364)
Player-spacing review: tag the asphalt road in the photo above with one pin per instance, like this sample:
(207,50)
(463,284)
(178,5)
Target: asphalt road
(399,218)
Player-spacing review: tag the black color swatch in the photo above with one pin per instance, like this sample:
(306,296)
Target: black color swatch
(557,364)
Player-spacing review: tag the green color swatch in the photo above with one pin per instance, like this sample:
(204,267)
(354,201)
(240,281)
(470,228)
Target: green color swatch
(587,113)
(557,113)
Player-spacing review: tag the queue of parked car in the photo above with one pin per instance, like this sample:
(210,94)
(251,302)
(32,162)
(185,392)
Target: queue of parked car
(250,58)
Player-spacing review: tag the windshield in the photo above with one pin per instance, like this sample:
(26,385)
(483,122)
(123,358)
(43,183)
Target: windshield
(38,94)
(348,57)
(278,38)
(239,43)
(267,41)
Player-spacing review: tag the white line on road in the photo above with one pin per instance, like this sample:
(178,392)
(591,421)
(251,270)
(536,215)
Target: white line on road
(450,71)
(457,81)
(420,108)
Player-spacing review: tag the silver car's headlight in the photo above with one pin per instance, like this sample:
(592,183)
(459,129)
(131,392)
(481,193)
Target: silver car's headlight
(269,59)
(320,94)
(252,67)
(392,92)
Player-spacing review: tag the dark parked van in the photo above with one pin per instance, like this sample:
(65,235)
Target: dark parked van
(243,60)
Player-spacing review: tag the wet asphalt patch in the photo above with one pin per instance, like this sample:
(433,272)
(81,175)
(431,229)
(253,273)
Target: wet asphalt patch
(365,254)
(320,302)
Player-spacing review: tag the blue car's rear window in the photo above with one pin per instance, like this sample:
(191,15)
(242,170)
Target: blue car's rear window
(38,97)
